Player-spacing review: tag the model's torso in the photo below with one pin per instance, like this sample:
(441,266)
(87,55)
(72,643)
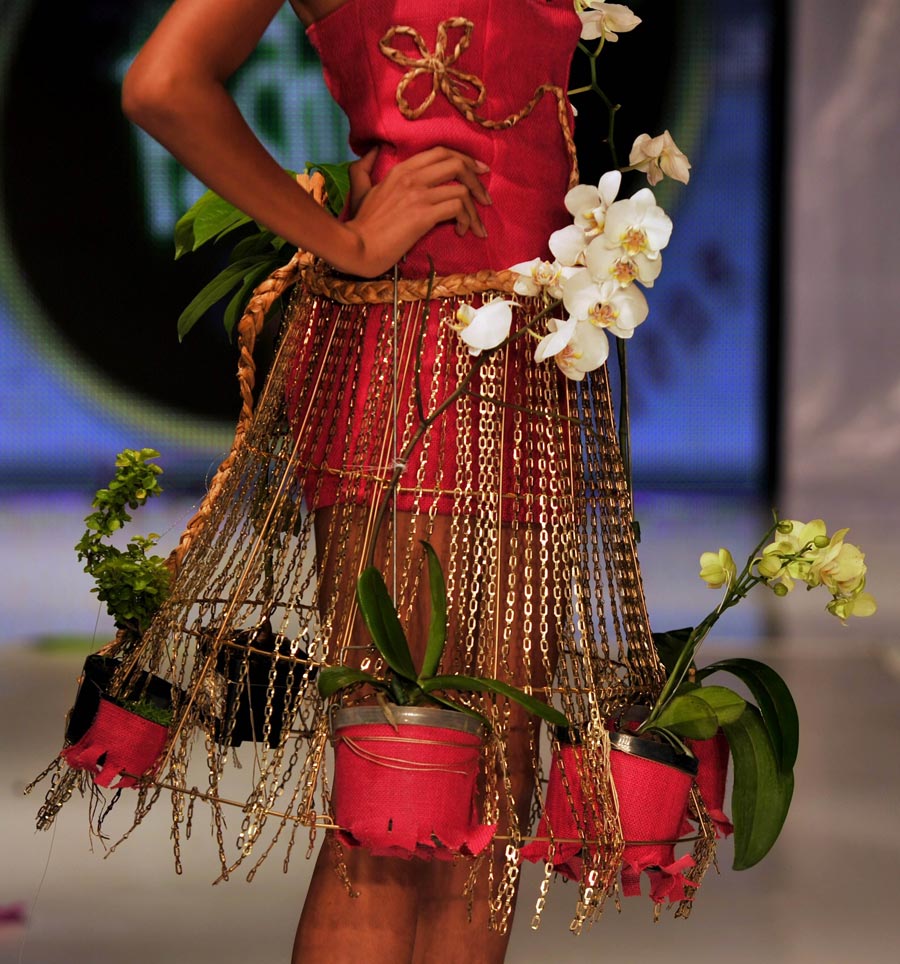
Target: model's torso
(451,58)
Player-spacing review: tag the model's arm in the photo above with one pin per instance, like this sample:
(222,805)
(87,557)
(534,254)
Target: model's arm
(175,90)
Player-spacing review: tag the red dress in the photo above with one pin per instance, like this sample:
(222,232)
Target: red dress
(488,78)
(507,51)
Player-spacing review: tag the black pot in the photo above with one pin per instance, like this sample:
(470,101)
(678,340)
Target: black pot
(246,690)
(664,753)
(96,676)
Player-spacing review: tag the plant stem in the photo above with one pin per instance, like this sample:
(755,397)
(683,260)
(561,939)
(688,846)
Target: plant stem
(742,585)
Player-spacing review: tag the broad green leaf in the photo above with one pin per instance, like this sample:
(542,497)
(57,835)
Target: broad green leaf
(670,645)
(437,633)
(779,712)
(688,716)
(761,795)
(337,183)
(471,684)
(258,244)
(725,703)
(241,298)
(206,218)
(380,617)
(212,293)
(335,678)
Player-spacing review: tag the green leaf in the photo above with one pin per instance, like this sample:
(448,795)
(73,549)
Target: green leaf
(337,183)
(688,716)
(437,633)
(380,617)
(204,220)
(725,703)
(471,684)
(761,795)
(241,298)
(670,645)
(213,292)
(258,244)
(334,678)
(779,712)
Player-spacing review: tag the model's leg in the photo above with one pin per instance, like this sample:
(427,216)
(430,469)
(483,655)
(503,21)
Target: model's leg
(380,922)
(428,910)
(444,931)
(378,926)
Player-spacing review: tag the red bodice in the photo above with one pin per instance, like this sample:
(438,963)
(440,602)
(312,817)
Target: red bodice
(508,49)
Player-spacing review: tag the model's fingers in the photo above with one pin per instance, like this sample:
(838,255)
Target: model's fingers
(457,199)
(457,169)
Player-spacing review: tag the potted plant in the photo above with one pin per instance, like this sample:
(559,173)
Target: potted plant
(406,767)
(688,733)
(118,725)
(263,675)
(700,721)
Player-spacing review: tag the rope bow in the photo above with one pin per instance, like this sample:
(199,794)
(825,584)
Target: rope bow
(452,83)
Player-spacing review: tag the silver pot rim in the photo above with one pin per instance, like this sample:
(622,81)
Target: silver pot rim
(409,715)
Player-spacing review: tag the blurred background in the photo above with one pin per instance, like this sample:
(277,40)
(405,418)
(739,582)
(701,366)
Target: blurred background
(766,376)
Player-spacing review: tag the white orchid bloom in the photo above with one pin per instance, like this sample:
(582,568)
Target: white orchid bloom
(589,204)
(577,347)
(537,276)
(613,264)
(658,157)
(560,334)
(567,245)
(606,20)
(605,304)
(485,327)
(638,226)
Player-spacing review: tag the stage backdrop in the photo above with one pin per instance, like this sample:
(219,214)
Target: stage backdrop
(842,398)
(89,293)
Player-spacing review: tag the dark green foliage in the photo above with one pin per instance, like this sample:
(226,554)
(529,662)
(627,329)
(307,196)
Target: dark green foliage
(253,258)
(404,685)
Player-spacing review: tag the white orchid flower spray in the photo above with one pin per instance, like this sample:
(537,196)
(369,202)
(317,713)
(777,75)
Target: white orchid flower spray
(592,287)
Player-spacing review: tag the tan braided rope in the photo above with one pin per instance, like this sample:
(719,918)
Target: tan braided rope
(248,328)
(452,83)
(352,291)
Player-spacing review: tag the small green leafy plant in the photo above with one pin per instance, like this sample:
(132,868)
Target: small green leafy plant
(132,583)
(763,738)
(405,685)
(252,259)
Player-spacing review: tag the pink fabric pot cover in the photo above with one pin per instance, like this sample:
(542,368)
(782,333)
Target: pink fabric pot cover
(409,793)
(117,742)
(712,773)
(653,801)
(566,821)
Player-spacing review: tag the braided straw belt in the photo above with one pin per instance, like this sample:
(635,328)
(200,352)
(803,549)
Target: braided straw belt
(383,291)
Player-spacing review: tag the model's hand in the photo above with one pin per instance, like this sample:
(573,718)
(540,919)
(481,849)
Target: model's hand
(388,218)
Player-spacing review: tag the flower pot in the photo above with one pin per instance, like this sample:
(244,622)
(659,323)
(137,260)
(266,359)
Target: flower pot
(564,815)
(408,791)
(246,689)
(108,740)
(653,783)
(712,774)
